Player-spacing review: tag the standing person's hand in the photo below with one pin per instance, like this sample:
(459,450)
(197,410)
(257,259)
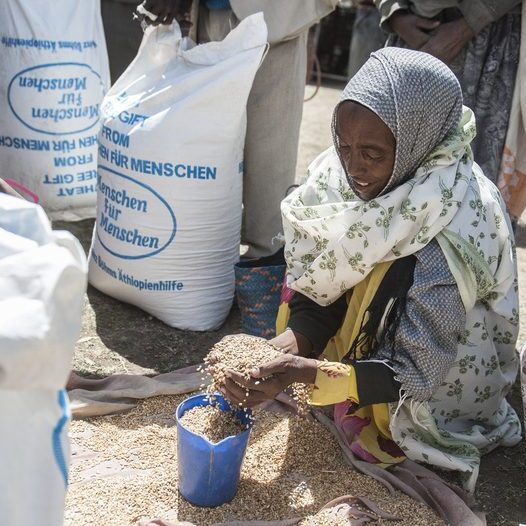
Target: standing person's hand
(167,10)
(269,380)
(412,29)
(449,40)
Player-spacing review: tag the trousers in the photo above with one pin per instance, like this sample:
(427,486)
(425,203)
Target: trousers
(274,112)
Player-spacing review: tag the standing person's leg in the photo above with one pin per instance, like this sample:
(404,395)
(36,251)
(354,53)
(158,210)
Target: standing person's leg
(274,112)
(487,77)
(123,35)
(486,70)
(367,36)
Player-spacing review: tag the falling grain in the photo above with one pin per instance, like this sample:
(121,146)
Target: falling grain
(243,353)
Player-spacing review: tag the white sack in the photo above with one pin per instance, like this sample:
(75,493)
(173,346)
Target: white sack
(170,175)
(53,75)
(42,283)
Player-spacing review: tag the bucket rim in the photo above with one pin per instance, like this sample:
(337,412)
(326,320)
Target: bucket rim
(205,398)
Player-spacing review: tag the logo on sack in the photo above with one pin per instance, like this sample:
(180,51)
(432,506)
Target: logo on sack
(56,99)
(133,220)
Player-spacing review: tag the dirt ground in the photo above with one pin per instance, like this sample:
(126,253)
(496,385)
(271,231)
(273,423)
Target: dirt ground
(119,338)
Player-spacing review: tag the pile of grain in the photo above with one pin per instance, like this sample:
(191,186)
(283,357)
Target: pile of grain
(128,470)
(212,423)
(243,353)
(326,518)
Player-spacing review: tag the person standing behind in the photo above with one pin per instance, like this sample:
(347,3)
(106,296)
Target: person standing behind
(367,35)
(123,34)
(275,104)
(479,41)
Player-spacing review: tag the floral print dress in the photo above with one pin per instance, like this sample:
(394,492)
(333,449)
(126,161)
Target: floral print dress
(334,241)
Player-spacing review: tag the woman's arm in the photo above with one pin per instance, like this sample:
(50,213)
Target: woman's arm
(364,383)
(416,362)
(426,341)
(313,325)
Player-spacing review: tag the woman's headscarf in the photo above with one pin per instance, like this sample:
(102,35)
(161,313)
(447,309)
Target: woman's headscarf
(416,95)
(334,239)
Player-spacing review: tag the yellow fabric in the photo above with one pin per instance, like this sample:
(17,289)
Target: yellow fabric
(359,301)
(336,382)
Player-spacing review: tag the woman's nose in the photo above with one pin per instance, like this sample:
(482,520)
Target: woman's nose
(353,165)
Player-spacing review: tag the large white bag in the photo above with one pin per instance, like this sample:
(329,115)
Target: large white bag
(42,283)
(53,75)
(170,175)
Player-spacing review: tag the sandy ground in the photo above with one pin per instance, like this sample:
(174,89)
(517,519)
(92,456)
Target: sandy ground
(119,338)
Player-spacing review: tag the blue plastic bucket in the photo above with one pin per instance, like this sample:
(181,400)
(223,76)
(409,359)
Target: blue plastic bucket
(209,473)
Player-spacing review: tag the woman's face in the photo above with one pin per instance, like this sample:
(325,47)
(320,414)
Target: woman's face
(367,148)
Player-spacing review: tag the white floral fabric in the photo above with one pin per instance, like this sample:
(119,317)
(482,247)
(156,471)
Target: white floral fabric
(334,240)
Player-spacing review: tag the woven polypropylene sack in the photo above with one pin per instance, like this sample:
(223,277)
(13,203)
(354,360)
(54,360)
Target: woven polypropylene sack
(53,76)
(170,175)
(42,285)
(258,290)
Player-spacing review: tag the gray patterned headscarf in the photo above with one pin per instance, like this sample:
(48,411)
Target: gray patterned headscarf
(416,95)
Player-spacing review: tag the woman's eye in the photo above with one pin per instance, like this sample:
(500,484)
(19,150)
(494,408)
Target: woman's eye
(370,157)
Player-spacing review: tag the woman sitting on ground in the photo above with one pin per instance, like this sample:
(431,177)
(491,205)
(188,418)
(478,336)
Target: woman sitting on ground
(402,263)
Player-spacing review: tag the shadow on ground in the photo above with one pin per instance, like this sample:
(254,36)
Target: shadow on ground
(148,342)
(120,338)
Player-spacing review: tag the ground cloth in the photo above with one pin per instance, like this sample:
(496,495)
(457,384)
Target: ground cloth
(118,393)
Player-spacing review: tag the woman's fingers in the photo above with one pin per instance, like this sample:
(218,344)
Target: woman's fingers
(276,366)
(286,342)
(266,385)
(248,393)
(233,391)
(242,397)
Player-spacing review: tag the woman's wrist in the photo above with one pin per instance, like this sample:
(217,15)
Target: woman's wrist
(304,345)
(302,370)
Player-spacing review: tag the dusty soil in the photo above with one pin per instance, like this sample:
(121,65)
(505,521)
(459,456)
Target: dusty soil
(119,338)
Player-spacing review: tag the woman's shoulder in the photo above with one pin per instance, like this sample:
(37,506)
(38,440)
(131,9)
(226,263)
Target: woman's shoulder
(432,266)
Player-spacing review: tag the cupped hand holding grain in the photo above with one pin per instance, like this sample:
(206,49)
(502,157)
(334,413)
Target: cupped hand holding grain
(269,379)
(243,354)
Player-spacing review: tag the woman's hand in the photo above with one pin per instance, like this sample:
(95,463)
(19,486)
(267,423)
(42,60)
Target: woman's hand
(290,342)
(167,10)
(269,380)
(449,40)
(412,29)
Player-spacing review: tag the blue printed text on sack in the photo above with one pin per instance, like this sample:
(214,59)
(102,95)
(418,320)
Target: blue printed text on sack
(165,285)
(125,210)
(114,202)
(53,84)
(121,198)
(185,171)
(163,169)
